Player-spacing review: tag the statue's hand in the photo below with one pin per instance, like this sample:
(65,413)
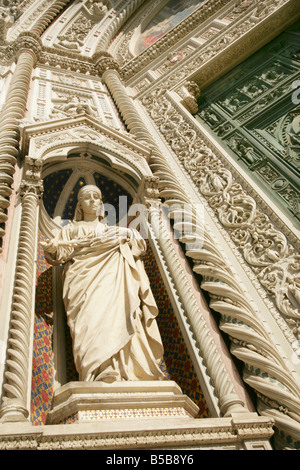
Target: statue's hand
(48,246)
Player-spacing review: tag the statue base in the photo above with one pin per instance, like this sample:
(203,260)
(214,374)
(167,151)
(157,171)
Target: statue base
(78,402)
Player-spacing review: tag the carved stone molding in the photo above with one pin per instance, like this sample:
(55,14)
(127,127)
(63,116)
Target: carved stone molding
(42,22)
(237,41)
(239,319)
(225,389)
(104,61)
(120,17)
(28,42)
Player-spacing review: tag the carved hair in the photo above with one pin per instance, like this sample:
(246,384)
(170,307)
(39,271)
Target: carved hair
(78,216)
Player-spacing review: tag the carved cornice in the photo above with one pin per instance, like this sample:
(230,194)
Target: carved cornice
(240,39)
(121,15)
(238,433)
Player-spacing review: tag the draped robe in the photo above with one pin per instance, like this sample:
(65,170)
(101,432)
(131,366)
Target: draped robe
(109,304)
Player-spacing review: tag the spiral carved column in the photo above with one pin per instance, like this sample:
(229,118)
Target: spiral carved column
(229,400)
(13,110)
(16,376)
(110,75)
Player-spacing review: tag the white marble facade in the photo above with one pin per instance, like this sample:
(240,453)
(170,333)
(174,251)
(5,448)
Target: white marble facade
(72,84)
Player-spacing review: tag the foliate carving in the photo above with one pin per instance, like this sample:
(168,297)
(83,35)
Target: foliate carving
(120,14)
(28,41)
(254,234)
(32,183)
(12,9)
(229,400)
(71,104)
(12,111)
(204,54)
(172,37)
(97,8)
(6,21)
(233,433)
(190,93)
(33,169)
(263,246)
(105,61)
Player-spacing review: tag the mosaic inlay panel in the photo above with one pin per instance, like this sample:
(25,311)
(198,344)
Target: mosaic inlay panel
(42,362)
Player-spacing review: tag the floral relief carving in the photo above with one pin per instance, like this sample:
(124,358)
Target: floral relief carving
(267,251)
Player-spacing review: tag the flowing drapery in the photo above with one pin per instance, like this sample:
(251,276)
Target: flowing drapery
(109,304)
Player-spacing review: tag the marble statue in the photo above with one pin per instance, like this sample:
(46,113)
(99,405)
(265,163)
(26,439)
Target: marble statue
(109,304)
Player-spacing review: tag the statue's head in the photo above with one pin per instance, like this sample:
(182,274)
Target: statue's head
(83,193)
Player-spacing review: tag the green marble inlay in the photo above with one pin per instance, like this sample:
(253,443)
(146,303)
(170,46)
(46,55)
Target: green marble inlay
(254,112)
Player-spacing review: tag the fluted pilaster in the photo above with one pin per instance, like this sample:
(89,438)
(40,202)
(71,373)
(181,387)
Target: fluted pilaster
(15,388)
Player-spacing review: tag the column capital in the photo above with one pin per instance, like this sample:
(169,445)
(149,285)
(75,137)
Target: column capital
(32,183)
(28,187)
(104,62)
(150,195)
(30,42)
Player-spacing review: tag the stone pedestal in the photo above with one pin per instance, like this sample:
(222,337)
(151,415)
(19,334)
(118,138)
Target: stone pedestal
(78,402)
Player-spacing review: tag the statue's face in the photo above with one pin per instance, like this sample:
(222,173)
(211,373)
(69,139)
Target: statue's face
(90,202)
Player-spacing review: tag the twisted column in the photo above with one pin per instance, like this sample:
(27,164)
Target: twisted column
(229,400)
(264,368)
(109,71)
(16,377)
(28,47)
